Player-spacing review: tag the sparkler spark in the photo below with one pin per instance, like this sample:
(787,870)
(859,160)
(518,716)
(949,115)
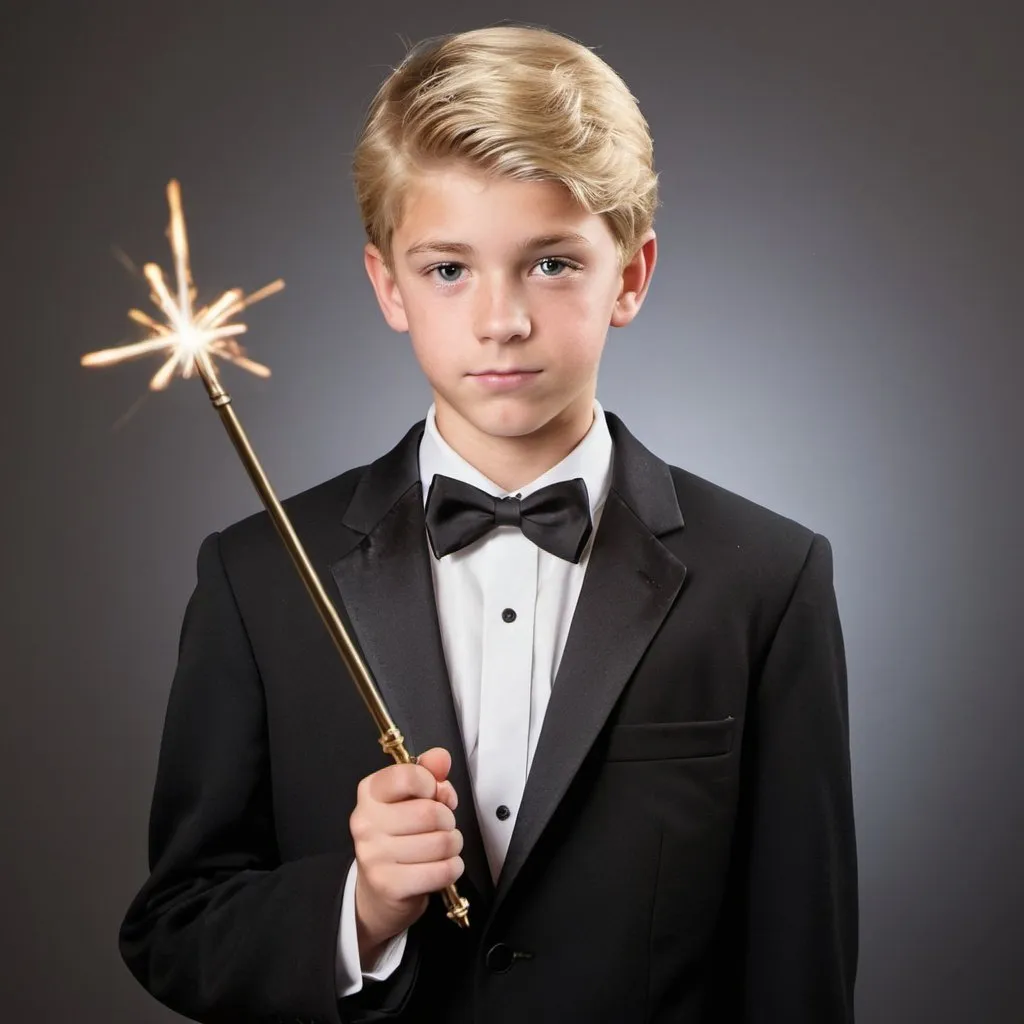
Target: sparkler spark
(188,335)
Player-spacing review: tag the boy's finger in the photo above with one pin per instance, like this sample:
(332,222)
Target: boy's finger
(437,761)
(402,782)
(447,795)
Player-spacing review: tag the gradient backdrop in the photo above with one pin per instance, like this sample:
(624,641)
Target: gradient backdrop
(834,330)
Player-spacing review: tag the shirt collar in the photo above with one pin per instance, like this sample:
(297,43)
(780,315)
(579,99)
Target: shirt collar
(591,459)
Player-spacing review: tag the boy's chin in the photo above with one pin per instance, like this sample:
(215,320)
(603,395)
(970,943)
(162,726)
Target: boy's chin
(506,419)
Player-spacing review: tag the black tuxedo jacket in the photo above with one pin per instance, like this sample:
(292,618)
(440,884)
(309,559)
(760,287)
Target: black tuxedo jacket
(684,852)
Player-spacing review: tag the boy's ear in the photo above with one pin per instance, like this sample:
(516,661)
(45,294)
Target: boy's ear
(385,288)
(636,277)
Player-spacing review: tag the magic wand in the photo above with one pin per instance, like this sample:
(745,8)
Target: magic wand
(190,338)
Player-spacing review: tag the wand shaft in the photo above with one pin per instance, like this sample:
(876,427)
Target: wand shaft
(391,740)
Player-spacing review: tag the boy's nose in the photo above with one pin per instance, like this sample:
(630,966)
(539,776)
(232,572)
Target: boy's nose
(501,312)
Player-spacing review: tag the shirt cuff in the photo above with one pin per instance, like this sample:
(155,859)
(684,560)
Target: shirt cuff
(348,973)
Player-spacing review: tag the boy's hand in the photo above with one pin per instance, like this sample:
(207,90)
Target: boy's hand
(406,844)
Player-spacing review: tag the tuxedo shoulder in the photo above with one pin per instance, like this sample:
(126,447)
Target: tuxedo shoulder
(719,518)
(313,511)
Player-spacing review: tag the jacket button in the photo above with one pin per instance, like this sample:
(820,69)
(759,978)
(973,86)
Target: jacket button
(499,958)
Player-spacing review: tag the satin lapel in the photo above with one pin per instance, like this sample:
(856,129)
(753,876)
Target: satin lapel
(387,590)
(632,581)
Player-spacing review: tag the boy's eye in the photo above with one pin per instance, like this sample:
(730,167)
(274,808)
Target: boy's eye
(551,266)
(448,272)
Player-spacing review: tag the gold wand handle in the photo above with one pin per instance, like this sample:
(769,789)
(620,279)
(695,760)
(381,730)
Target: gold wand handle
(391,740)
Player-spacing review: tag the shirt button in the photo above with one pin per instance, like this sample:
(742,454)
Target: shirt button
(503,813)
(509,615)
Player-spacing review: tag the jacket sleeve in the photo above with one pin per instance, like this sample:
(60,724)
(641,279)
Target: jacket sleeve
(222,931)
(801,924)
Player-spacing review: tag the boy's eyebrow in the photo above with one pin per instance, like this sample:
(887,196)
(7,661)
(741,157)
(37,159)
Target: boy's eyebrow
(464,249)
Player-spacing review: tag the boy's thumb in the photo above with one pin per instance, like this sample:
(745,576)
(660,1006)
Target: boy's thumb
(437,761)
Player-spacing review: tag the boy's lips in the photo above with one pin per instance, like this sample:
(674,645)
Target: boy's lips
(503,373)
(504,379)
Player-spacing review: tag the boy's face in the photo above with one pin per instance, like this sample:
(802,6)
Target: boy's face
(507,289)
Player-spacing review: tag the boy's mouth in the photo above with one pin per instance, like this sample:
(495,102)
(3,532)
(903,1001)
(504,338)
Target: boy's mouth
(502,373)
(503,379)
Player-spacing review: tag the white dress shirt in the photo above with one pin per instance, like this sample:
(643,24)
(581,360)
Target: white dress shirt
(500,665)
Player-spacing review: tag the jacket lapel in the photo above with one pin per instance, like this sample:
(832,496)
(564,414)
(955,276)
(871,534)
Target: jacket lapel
(631,582)
(387,590)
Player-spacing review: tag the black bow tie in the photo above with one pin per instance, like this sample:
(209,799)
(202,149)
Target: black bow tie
(556,518)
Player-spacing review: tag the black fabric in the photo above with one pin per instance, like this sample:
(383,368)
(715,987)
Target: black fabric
(684,852)
(556,518)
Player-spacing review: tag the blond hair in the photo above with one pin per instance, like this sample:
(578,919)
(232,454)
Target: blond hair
(519,102)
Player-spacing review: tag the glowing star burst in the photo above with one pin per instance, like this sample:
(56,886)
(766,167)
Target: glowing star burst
(189,335)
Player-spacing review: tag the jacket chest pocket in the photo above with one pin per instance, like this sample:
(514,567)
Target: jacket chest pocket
(662,741)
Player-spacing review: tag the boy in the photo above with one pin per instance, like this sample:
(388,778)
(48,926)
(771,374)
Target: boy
(631,682)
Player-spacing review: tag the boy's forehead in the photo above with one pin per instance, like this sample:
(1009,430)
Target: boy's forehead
(464,200)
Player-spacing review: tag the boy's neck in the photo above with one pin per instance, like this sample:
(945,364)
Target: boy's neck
(513,462)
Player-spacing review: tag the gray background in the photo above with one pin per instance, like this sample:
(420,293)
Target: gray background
(834,330)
